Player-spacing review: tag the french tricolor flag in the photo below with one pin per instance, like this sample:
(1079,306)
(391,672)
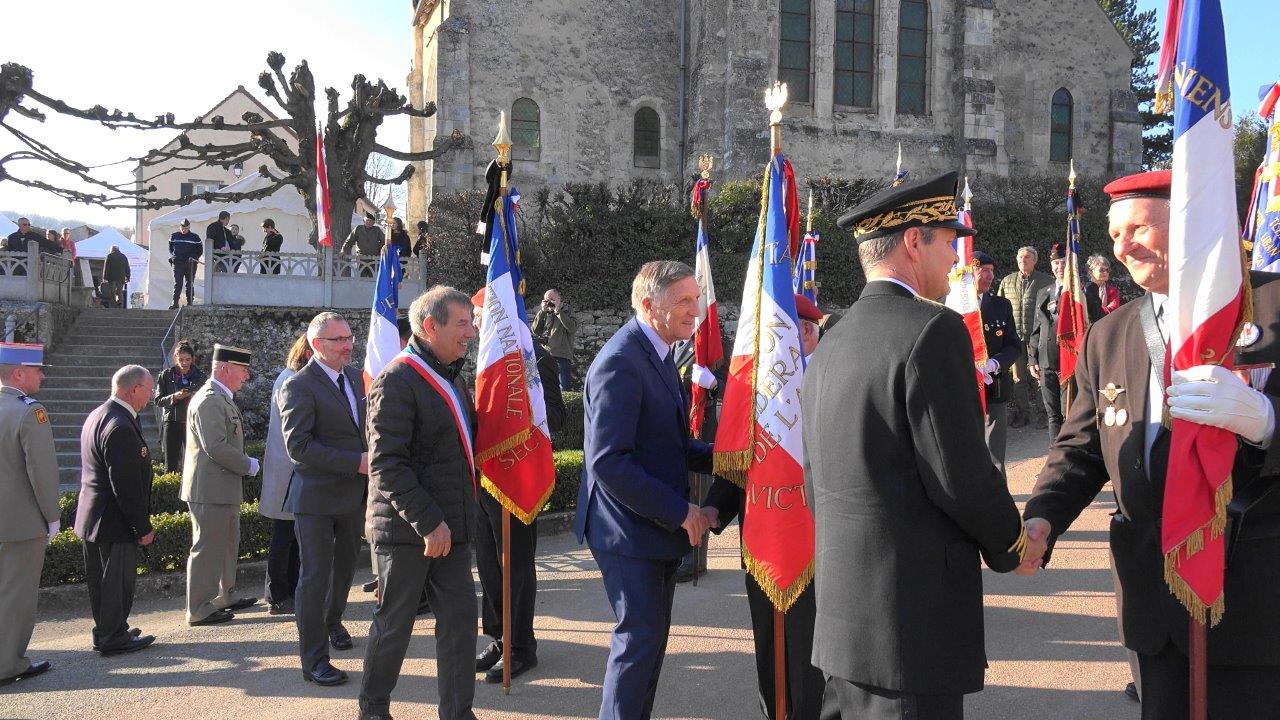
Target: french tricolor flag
(962,295)
(384,337)
(708,347)
(324,232)
(513,443)
(1206,296)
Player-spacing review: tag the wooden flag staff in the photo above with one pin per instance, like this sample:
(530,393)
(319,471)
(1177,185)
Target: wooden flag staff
(502,143)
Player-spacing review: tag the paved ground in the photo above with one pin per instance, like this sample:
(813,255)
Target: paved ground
(1051,642)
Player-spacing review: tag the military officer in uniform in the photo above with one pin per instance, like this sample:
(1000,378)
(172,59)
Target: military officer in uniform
(1003,349)
(1114,433)
(900,481)
(29,513)
(213,487)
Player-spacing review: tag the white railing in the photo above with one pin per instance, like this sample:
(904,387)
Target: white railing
(323,279)
(35,276)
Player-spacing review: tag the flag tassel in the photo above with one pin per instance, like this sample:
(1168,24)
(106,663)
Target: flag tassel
(510,443)
(1212,613)
(782,598)
(510,505)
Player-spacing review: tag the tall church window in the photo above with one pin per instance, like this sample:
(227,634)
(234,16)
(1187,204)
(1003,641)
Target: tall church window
(855,52)
(913,55)
(1060,121)
(794,53)
(647,139)
(526,130)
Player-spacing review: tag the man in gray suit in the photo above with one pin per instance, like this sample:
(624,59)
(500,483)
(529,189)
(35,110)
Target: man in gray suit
(29,511)
(322,419)
(213,487)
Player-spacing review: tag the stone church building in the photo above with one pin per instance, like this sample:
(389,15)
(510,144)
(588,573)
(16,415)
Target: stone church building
(599,91)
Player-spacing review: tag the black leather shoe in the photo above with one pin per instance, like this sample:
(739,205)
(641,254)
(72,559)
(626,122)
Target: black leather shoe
(373,716)
(284,607)
(339,638)
(242,603)
(134,645)
(491,656)
(370,587)
(684,573)
(218,616)
(519,667)
(1131,692)
(135,631)
(324,674)
(34,669)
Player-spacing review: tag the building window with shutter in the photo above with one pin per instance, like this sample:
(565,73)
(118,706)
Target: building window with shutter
(913,57)
(526,130)
(195,187)
(794,56)
(647,139)
(855,52)
(1060,122)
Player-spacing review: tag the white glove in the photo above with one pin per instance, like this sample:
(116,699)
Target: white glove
(991,368)
(1213,395)
(54,527)
(253,467)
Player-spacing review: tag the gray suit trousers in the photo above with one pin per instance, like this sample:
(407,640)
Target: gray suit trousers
(20,564)
(215,554)
(844,700)
(111,572)
(403,570)
(327,548)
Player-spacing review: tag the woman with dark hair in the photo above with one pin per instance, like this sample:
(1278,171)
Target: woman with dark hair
(420,245)
(272,241)
(1102,295)
(400,238)
(277,469)
(174,387)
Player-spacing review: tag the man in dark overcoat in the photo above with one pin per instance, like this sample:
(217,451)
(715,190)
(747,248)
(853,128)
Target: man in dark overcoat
(1003,348)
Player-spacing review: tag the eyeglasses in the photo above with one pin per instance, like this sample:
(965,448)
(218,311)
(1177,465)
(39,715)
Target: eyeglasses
(340,339)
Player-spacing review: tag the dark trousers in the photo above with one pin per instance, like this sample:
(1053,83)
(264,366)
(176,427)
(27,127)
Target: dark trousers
(524,577)
(175,444)
(110,571)
(804,681)
(565,365)
(1235,693)
(403,571)
(1051,394)
(184,271)
(641,591)
(844,700)
(283,562)
(327,547)
(997,432)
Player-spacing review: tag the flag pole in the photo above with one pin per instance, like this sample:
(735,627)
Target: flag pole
(774,99)
(1071,188)
(502,143)
(705,163)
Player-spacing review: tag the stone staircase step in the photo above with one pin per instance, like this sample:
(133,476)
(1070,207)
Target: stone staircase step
(97,349)
(77,377)
(100,360)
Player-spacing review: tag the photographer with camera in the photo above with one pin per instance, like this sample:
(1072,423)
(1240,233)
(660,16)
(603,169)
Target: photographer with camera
(554,327)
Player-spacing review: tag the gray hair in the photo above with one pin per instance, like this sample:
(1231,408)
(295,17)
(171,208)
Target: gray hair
(128,376)
(434,303)
(1030,251)
(318,322)
(876,250)
(6,373)
(1098,263)
(654,278)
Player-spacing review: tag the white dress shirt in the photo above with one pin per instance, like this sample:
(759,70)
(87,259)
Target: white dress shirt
(346,386)
(1155,393)
(896,281)
(658,343)
(225,389)
(125,405)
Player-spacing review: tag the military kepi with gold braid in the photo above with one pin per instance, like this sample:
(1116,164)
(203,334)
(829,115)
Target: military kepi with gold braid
(924,203)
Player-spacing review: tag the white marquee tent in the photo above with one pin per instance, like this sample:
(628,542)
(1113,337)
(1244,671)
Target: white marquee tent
(285,206)
(99,245)
(7,226)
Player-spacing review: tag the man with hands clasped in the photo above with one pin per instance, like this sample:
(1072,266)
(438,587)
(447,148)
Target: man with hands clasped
(1114,433)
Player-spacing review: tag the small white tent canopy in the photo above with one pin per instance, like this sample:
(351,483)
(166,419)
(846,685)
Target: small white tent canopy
(99,245)
(7,226)
(285,206)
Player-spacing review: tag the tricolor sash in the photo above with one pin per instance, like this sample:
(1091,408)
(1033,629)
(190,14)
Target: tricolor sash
(451,398)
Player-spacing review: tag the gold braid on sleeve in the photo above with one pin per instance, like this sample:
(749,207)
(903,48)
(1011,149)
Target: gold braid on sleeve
(1019,546)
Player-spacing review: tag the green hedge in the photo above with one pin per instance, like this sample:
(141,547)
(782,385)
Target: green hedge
(570,436)
(568,476)
(64,559)
(165,489)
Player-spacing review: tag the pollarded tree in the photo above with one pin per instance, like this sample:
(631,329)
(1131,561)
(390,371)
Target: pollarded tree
(350,138)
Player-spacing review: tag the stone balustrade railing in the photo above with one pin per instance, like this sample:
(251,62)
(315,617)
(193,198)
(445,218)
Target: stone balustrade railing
(324,279)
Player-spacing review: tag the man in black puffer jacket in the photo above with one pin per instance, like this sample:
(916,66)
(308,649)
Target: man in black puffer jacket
(422,501)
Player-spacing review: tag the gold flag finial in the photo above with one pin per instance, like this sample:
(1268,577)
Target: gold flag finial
(502,143)
(809,223)
(775,98)
(1071,176)
(967,195)
(705,163)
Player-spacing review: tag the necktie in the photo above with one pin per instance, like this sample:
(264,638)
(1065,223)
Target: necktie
(342,390)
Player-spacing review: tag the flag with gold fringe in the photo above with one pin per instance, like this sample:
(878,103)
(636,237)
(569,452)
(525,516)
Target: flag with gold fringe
(758,443)
(962,294)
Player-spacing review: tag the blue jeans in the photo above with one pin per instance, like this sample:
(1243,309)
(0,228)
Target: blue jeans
(566,367)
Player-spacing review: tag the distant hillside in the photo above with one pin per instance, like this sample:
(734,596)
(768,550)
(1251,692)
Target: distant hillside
(46,222)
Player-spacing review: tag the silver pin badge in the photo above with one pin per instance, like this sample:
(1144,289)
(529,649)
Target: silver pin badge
(1109,417)
(1122,417)
(1250,334)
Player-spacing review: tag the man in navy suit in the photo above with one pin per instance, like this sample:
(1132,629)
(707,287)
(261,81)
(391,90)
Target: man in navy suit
(633,504)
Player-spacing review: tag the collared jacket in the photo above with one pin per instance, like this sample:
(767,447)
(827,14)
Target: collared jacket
(28,468)
(114,505)
(419,474)
(185,247)
(365,240)
(168,383)
(324,440)
(220,236)
(215,464)
(555,330)
(1022,296)
(116,267)
(1003,344)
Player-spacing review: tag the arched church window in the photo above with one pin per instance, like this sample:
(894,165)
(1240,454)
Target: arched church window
(794,52)
(1060,122)
(913,56)
(526,130)
(647,139)
(855,52)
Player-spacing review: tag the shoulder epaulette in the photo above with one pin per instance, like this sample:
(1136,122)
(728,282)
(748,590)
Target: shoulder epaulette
(29,400)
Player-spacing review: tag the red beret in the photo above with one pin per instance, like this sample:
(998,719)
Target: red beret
(807,310)
(478,298)
(1153,184)
(1058,252)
